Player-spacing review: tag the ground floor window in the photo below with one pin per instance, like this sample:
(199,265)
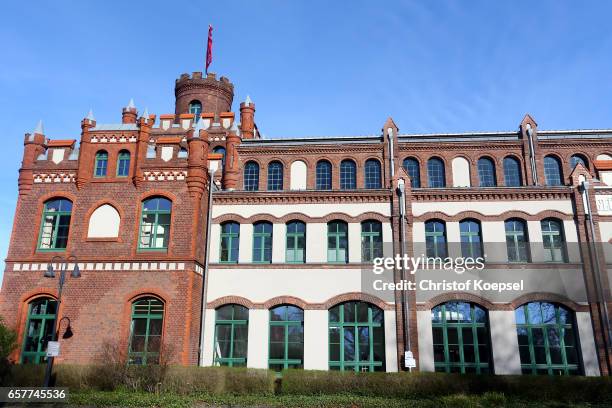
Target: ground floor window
(38,330)
(146,331)
(356,337)
(231,335)
(286,338)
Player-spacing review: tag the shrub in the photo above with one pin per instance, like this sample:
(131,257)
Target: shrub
(219,380)
(8,343)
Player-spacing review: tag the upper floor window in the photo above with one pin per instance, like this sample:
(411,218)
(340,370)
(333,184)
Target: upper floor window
(517,242)
(262,242)
(553,240)
(275,176)
(38,330)
(435,173)
(486,172)
(324,175)
(471,239)
(251,176)
(348,175)
(552,171)
(371,240)
(101,164)
(155,223)
(286,338)
(512,172)
(230,241)
(296,242)
(435,239)
(372,174)
(55,224)
(123,163)
(231,336)
(146,331)
(195,108)
(578,158)
(337,242)
(220,150)
(412,168)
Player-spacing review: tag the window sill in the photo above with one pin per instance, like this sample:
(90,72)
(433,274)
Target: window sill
(51,250)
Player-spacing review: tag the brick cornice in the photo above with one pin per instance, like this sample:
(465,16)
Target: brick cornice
(491,194)
(498,217)
(301,197)
(301,217)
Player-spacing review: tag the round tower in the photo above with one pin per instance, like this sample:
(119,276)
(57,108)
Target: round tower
(195,94)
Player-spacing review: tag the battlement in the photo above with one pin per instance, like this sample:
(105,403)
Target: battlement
(196,93)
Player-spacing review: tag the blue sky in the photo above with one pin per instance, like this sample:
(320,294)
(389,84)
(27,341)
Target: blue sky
(312,67)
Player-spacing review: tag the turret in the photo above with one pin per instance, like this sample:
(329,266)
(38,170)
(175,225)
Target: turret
(231,173)
(197,177)
(128,114)
(247,118)
(34,144)
(195,94)
(84,172)
(144,134)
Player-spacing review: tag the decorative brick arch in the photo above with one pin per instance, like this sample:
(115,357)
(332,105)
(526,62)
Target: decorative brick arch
(300,217)
(499,217)
(458,296)
(357,296)
(285,300)
(548,297)
(226,300)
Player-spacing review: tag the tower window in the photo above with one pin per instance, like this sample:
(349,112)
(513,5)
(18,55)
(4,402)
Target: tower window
(195,108)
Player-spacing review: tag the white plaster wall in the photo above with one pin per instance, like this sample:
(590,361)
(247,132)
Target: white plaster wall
(453,237)
(387,232)
(209,338)
(492,207)
(354,241)
(494,238)
(587,344)
(534,230)
(461,172)
(504,342)
(418,239)
(605,229)
(257,351)
(426,357)
(311,210)
(298,175)
(316,246)
(215,242)
(606,177)
(390,342)
(104,222)
(245,250)
(279,242)
(316,340)
(571,237)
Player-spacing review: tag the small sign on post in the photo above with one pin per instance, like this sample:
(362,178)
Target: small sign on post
(53,348)
(409,361)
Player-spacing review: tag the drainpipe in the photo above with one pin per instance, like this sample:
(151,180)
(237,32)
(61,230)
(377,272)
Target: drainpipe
(405,306)
(392,161)
(534,168)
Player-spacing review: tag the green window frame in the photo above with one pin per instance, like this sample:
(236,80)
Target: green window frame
(38,330)
(548,339)
(286,349)
(155,224)
(296,242)
(471,239)
(101,164)
(337,242)
(146,331)
(553,240)
(461,340)
(262,242)
(435,239)
(517,241)
(230,242)
(356,337)
(55,225)
(371,240)
(231,335)
(123,164)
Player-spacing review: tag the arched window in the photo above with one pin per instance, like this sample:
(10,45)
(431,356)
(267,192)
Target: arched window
(486,172)
(221,150)
(262,242)
(275,176)
(38,330)
(512,172)
(371,240)
(412,168)
(155,224)
(552,171)
(553,240)
(195,108)
(101,164)
(435,239)
(461,338)
(548,339)
(337,242)
(323,175)
(251,176)
(348,175)
(230,241)
(123,164)
(356,337)
(471,239)
(372,174)
(146,331)
(286,338)
(517,241)
(55,224)
(435,173)
(296,242)
(578,158)
(231,336)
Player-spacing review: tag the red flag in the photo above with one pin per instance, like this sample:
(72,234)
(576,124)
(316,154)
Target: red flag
(209,48)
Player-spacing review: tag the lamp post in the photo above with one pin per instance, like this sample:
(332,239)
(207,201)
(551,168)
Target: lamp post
(50,273)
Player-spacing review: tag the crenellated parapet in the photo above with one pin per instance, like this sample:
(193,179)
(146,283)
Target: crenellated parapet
(212,94)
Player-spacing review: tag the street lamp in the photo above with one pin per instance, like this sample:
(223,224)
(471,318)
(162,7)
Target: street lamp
(50,273)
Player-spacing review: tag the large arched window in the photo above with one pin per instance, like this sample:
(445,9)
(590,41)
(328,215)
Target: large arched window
(251,176)
(578,158)
(101,164)
(517,241)
(38,330)
(286,338)
(552,171)
(155,224)
(195,108)
(553,239)
(471,239)
(146,331)
(414,172)
(123,164)
(275,176)
(371,240)
(262,242)
(435,239)
(221,150)
(372,173)
(323,175)
(486,172)
(356,337)
(337,242)
(548,339)
(55,224)
(461,338)
(512,172)
(296,242)
(231,336)
(435,173)
(348,175)
(230,241)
